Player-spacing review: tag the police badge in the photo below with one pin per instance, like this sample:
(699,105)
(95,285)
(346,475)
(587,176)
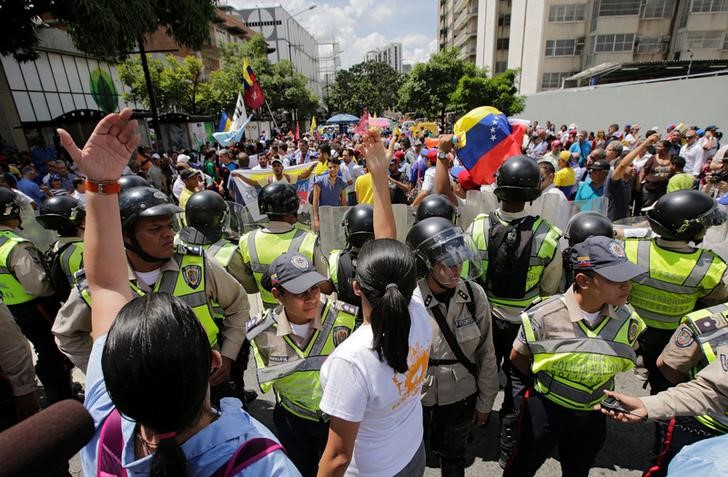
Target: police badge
(192,275)
(340,333)
(633,331)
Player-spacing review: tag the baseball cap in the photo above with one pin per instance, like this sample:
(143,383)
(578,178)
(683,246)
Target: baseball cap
(294,272)
(278,160)
(565,156)
(399,155)
(222,151)
(455,172)
(188,173)
(156,156)
(431,154)
(604,256)
(555,143)
(183,158)
(599,165)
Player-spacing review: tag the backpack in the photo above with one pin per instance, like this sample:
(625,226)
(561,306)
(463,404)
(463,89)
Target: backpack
(509,253)
(111,446)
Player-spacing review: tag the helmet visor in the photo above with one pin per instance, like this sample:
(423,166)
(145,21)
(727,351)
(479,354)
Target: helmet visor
(715,216)
(451,254)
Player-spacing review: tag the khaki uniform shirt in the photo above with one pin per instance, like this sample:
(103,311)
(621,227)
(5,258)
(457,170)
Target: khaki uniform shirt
(236,267)
(319,261)
(26,265)
(270,342)
(550,278)
(72,327)
(555,320)
(16,360)
(447,384)
(682,353)
(708,392)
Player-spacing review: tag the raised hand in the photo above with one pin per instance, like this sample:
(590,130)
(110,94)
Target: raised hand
(377,157)
(109,148)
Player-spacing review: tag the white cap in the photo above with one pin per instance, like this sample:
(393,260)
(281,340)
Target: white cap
(222,151)
(155,156)
(183,159)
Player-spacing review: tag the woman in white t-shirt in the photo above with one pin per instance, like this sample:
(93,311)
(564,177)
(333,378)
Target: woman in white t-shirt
(372,381)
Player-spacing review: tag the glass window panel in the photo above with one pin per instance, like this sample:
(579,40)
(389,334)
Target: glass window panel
(46,73)
(59,72)
(40,107)
(67,102)
(74,83)
(619,7)
(12,73)
(24,106)
(54,102)
(84,74)
(31,75)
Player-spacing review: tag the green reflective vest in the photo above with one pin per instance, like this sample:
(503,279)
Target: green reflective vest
(187,284)
(710,328)
(334,266)
(71,260)
(296,381)
(675,282)
(11,289)
(259,249)
(573,372)
(544,246)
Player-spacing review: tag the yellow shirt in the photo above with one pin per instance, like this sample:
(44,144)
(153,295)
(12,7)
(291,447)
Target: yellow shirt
(364,190)
(320,168)
(184,196)
(564,177)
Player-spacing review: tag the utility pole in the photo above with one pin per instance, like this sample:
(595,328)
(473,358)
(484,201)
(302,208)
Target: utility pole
(152,98)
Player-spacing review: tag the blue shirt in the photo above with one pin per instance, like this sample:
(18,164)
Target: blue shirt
(206,451)
(583,149)
(330,193)
(706,457)
(32,190)
(586,193)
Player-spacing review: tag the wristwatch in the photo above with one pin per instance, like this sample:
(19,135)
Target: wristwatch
(441,155)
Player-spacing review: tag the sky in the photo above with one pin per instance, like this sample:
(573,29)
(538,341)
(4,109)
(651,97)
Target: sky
(363,25)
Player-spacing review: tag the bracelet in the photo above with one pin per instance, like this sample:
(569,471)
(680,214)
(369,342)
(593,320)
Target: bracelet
(103,187)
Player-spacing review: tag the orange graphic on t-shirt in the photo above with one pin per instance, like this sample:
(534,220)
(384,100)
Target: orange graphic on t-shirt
(410,383)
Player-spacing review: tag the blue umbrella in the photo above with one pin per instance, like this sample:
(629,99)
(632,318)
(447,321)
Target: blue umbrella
(342,119)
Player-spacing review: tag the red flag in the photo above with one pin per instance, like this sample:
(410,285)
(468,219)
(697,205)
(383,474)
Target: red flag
(363,126)
(298,132)
(253,97)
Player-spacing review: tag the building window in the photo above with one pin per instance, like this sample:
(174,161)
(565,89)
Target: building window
(500,66)
(652,44)
(595,16)
(504,20)
(560,47)
(501,44)
(694,40)
(658,8)
(575,12)
(614,42)
(612,8)
(707,6)
(553,80)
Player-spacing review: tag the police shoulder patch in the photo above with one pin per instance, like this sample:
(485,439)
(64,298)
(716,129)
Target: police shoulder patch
(633,331)
(339,334)
(684,338)
(192,275)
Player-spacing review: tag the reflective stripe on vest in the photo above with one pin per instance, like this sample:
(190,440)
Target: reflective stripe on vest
(334,266)
(173,282)
(259,255)
(11,289)
(222,251)
(544,246)
(674,283)
(71,260)
(573,372)
(710,328)
(297,383)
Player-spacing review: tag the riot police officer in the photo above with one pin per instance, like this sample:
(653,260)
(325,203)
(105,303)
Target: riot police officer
(580,227)
(27,292)
(260,247)
(66,216)
(436,205)
(680,277)
(290,343)
(358,226)
(133,180)
(462,379)
(156,265)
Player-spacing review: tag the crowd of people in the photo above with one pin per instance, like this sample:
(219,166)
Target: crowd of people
(383,356)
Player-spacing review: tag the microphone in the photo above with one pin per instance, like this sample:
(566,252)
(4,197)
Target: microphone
(45,441)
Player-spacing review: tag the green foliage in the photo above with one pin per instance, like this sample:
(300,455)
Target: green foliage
(177,83)
(106,28)
(428,87)
(499,92)
(370,84)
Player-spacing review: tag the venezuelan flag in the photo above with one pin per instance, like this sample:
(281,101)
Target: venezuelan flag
(486,139)
(223,124)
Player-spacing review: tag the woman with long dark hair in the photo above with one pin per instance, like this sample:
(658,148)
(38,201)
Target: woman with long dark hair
(148,387)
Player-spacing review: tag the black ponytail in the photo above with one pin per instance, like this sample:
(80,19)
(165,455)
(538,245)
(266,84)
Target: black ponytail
(168,460)
(386,274)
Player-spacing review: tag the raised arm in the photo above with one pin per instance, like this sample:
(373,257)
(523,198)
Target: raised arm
(377,162)
(442,181)
(638,151)
(102,160)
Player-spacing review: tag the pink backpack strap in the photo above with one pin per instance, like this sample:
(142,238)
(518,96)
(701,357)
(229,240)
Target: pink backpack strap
(111,447)
(248,454)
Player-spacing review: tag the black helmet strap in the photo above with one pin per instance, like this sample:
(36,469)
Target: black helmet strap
(135,247)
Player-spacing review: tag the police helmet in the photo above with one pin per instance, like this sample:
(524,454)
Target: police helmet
(518,180)
(140,202)
(278,199)
(586,224)
(9,206)
(205,211)
(358,225)
(684,215)
(61,213)
(133,180)
(436,205)
(436,239)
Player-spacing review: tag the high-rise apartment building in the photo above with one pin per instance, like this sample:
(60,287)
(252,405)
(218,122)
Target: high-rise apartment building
(550,40)
(390,54)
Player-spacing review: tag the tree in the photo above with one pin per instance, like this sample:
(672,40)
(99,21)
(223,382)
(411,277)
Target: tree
(370,84)
(499,92)
(106,28)
(177,83)
(428,87)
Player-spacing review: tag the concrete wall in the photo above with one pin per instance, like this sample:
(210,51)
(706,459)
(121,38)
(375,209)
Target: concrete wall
(696,101)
